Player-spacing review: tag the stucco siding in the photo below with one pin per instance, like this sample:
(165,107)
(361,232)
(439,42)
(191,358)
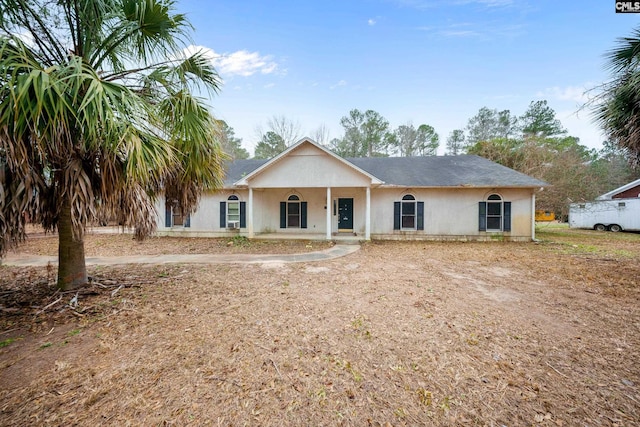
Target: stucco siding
(309,168)
(449,212)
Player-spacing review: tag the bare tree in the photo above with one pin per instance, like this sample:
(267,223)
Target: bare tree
(321,135)
(287,129)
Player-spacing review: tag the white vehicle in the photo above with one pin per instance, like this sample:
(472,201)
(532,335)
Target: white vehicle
(601,215)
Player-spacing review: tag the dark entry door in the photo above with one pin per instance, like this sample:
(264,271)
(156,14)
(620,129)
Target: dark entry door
(345,214)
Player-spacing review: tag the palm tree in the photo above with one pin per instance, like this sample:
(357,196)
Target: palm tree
(617,108)
(98,115)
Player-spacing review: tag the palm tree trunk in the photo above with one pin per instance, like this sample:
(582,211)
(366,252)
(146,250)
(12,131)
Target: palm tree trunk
(72,270)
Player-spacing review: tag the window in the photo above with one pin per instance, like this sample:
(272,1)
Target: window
(495,214)
(408,214)
(233,213)
(293,213)
(174,217)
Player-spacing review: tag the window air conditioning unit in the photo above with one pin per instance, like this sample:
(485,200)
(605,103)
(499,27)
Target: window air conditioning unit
(234,225)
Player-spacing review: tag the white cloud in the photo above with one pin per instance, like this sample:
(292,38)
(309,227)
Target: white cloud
(239,63)
(493,3)
(459,33)
(578,94)
(469,29)
(371,22)
(428,4)
(339,84)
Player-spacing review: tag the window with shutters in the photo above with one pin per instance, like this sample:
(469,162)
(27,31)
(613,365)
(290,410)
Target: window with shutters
(233,211)
(174,215)
(408,214)
(293,212)
(495,214)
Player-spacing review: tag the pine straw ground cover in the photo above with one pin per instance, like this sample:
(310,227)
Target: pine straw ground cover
(395,334)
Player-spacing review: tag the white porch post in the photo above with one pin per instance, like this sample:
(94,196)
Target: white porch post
(250,213)
(533,215)
(367,221)
(329,210)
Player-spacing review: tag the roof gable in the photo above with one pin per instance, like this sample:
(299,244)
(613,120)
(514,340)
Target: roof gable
(307,163)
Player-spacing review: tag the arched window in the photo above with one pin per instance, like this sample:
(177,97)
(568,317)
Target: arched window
(495,214)
(174,216)
(233,211)
(293,211)
(408,213)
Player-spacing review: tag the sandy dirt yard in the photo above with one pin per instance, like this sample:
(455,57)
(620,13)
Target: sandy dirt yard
(396,334)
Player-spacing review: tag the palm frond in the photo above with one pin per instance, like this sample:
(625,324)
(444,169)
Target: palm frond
(626,55)
(144,30)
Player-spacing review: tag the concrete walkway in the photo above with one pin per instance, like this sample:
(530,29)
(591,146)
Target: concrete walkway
(19,259)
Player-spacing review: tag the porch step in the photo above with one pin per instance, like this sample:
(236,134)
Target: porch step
(347,238)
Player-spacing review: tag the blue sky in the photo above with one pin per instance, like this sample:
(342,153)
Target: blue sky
(434,62)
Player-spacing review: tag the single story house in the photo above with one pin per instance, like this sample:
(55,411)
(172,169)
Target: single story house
(308,191)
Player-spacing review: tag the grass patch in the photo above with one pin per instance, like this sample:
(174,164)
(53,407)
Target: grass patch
(571,241)
(7,342)
(241,241)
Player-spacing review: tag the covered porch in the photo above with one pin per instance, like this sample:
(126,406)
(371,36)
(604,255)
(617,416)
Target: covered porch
(330,213)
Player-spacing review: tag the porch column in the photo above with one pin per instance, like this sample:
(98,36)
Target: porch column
(533,215)
(329,210)
(250,213)
(367,220)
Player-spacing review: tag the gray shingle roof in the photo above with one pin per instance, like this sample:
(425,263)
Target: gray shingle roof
(430,171)
(444,171)
(238,169)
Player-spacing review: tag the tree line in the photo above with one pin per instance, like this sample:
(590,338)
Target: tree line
(535,143)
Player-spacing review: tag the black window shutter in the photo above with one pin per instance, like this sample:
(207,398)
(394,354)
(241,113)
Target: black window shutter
(223,214)
(507,217)
(167,213)
(482,220)
(303,215)
(420,216)
(283,214)
(187,220)
(243,214)
(396,215)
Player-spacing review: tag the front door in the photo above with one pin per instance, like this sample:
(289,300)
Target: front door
(345,215)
